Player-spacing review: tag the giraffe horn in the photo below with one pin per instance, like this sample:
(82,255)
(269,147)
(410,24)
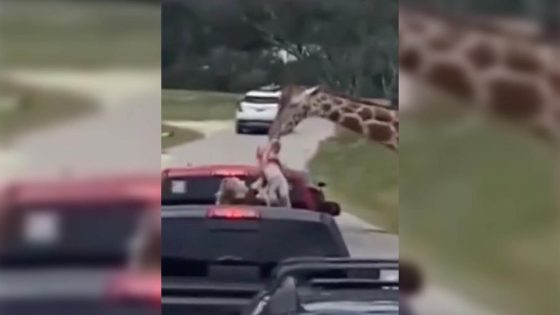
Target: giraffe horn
(312,90)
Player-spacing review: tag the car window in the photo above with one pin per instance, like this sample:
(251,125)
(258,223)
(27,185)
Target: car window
(260,241)
(260,99)
(203,189)
(88,234)
(346,307)
(350,301)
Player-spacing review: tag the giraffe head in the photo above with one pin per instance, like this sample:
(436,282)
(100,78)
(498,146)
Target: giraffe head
(295,105)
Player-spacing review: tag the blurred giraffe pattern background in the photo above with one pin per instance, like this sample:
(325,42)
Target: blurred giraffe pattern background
(479,95)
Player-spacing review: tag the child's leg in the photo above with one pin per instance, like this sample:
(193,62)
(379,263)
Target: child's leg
(284,192)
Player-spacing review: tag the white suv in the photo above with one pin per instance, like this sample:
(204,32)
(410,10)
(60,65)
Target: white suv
(257,110)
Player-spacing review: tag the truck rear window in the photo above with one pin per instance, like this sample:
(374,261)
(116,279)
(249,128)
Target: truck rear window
(201,190)
(259,241)
(59,235)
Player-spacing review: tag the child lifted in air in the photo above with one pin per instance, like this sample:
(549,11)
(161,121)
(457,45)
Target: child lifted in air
(272,183)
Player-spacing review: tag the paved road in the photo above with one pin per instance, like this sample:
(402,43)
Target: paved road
(123,140)
(364,239)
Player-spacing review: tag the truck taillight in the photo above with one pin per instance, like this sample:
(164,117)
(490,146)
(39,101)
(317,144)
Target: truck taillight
(233,213)
(229,173)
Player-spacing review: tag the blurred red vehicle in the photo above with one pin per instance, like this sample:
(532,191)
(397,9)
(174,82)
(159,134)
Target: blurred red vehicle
(74,222)
(198,186)
(81,247)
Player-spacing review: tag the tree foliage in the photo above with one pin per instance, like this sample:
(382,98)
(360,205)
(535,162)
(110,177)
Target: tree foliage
(235,45)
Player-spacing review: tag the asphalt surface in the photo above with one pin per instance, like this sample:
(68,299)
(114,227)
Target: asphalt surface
(125,139)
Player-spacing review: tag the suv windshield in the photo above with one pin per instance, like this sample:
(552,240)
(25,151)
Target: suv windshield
(201,190)
(261,99)
(200,240)
(61,235)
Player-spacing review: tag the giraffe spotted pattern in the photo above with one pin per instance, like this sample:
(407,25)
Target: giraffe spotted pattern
(511,75)
(377,123)
(372,118)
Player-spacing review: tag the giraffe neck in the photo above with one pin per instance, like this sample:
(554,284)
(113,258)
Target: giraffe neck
(513,77)
(375,121)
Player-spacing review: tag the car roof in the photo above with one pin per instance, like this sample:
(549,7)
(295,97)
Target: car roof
(101,189)
(224,169)
(266,213)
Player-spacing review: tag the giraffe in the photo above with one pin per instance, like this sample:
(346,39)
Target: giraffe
(498,70)
(373,119)
(506,73)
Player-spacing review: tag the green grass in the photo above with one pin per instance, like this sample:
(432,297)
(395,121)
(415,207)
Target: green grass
(178,136)
(362,175)
(39,108)
(49,33)
(197,105)
(476,199)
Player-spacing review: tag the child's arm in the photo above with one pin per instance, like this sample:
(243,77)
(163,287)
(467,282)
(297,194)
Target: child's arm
(257,184)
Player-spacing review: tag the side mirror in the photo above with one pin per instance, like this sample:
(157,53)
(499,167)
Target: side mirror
(285,299)
(411,278)
(330,207)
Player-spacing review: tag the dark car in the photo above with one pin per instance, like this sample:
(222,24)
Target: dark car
(54,292)
(215,259)
(198,185)
(329,286)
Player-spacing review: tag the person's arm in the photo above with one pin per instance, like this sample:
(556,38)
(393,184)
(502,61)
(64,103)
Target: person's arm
(257,184)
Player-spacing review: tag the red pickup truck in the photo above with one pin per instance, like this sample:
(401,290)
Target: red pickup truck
(74,222)
(198,186)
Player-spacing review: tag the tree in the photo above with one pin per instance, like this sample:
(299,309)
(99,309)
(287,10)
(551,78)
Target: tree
(350,46)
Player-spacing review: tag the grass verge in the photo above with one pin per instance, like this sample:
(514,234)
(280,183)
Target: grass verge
(197,105)
(476,197)
(38,108)
(362,175)
(175,136)
(62,33)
